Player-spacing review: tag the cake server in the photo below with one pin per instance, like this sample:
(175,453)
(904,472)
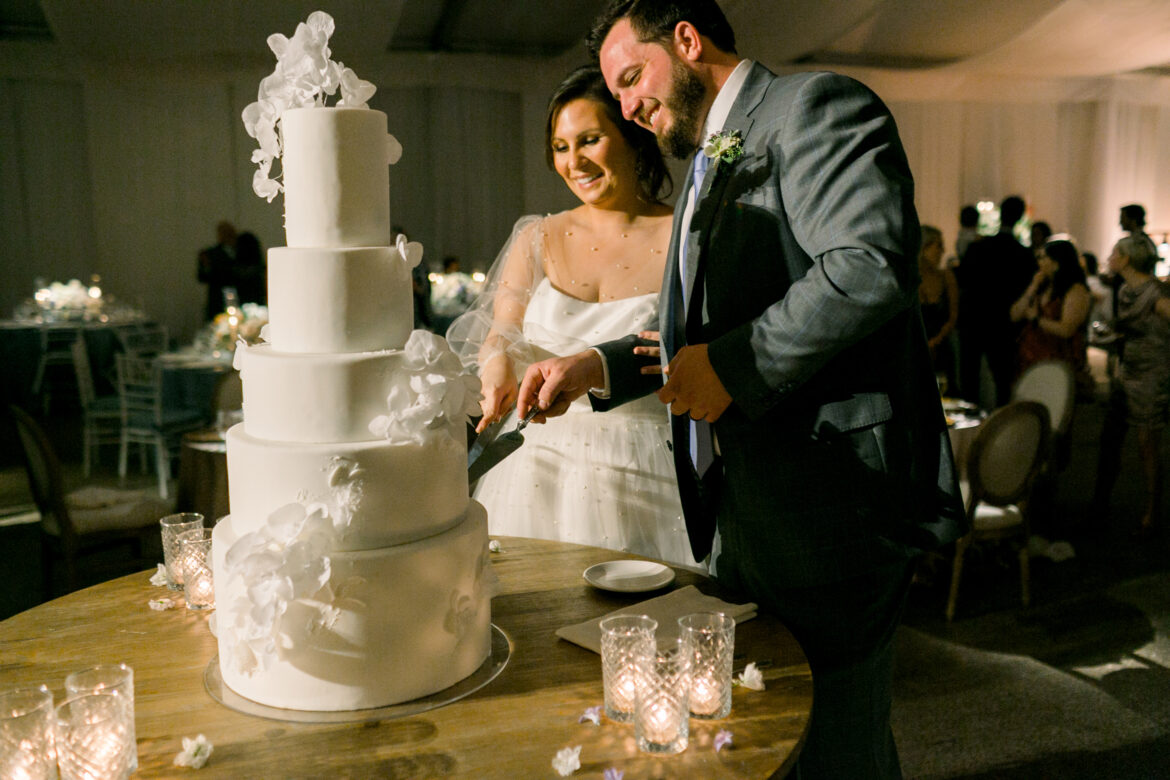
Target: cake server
(500,448)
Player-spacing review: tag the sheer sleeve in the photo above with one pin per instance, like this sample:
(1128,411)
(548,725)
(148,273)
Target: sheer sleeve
(494,324)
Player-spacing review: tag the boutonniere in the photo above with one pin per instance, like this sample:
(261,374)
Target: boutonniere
(726,145)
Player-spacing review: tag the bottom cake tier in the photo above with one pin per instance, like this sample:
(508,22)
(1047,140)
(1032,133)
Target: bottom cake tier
(386,626)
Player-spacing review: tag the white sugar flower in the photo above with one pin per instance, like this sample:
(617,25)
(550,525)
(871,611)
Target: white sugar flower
(432,391)
(195,752)
(285,560)
(354,91)
(303,77)
(751,677)
(591,715)
(567,761)
(722,739)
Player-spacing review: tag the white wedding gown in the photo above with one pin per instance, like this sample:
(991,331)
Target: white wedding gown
(602,479)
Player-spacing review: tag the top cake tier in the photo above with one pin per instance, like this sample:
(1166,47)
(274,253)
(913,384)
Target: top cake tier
(335,164)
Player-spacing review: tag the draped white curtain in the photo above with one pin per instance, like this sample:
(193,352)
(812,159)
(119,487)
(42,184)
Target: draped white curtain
(125,175)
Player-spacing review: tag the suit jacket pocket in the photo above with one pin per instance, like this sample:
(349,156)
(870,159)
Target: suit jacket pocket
(860,411)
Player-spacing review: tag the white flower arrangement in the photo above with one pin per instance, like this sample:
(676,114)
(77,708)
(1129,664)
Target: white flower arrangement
(727,145)
(433,392)
(303,77)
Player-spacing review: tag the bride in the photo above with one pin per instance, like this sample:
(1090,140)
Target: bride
(562,282)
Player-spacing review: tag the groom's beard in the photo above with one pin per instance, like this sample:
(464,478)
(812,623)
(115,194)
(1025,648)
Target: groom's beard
(684,101)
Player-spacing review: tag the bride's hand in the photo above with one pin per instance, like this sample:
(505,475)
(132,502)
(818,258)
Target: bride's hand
(499,387)
(650,350)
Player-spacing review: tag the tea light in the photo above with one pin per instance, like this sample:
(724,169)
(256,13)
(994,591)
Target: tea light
(94,736)
(660,711)
(26,734)
(623,639)
(194,561)
(174,526)
(709,638)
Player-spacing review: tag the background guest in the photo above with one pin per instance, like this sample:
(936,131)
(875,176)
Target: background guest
(251,274)
(968,232)
(938,297)
(1140,395)
(1053,310)
(215,267)
(994,272)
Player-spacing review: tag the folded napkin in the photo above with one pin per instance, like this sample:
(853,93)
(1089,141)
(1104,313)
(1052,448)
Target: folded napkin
(665,609)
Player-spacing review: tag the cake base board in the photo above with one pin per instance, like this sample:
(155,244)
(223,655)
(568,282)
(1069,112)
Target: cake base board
(501,651)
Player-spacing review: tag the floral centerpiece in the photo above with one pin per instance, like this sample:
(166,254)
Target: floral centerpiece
(229,327)
(304,77)
(68,301)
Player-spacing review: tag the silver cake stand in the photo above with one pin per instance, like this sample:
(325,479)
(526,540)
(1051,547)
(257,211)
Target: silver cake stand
(497,659)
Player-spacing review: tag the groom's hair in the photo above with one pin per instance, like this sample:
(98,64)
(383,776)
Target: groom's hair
(655,20)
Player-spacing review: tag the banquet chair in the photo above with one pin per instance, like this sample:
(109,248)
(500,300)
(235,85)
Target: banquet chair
(146,420)
(1002,465)
(101,415)
(56,359)
(144,339)
(87,523)
(1051,382)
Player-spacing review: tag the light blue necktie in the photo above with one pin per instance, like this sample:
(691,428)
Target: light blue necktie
(702,451)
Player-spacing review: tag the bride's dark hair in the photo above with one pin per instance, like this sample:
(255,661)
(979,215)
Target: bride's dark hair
(586,82)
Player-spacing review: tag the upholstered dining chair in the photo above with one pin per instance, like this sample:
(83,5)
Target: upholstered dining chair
(101,415)
(1002,465)
(1051,382)
(88,520)
(146,420)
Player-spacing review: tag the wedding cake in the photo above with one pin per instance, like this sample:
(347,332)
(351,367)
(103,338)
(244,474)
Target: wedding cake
(353,569)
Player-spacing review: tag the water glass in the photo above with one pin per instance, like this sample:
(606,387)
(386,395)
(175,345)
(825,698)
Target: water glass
(95,736)
(195,565)
(107,677)
(661,710)
(623,639)
(27,747)
(172,526)
(709,638)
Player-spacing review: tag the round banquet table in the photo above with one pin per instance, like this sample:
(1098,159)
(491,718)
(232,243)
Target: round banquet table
(511,728)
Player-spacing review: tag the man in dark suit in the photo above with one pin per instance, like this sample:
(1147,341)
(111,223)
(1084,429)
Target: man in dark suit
(791,338)
(216,268)
(994,273)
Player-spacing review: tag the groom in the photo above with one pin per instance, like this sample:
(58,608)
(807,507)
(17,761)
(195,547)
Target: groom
(807,425)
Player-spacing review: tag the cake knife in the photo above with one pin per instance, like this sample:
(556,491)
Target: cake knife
(500,448)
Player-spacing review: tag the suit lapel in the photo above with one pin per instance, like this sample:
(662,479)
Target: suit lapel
(710,195)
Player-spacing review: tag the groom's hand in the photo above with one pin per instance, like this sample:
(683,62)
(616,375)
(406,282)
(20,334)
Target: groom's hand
(692,386)
(555,383)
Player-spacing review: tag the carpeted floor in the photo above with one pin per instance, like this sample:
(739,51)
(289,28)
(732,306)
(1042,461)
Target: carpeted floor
(1075,686)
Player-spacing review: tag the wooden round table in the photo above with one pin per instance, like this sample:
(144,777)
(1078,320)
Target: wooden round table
(511,728)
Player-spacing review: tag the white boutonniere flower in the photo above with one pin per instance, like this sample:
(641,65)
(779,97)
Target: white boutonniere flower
(726,145)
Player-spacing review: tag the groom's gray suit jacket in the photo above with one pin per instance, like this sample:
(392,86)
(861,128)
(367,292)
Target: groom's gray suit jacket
(835,456)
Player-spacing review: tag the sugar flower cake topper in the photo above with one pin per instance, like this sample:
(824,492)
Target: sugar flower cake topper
(304,77)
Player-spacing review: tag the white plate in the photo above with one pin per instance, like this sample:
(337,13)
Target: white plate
(629,576)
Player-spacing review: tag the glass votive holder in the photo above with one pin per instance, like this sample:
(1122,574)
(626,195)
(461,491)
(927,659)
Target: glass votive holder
(195,565)
(661,712)
(623,639)
(108,677)
(710,641)
(94,736)
(26,734)
(172,527)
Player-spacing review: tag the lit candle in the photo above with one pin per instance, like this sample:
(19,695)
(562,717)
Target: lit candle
(625,689)
(661,724)
(706,696)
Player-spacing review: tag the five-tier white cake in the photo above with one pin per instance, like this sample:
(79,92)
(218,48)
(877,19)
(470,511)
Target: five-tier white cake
(353,569)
